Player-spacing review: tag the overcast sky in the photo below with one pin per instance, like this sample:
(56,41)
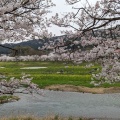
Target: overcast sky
(62,7)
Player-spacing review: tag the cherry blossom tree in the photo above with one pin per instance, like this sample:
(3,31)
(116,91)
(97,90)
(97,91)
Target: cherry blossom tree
(15,85)
(88,18)
(20,19)
(96,26)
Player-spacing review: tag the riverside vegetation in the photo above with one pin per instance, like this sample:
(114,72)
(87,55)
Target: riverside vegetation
(45,118)
(6,98)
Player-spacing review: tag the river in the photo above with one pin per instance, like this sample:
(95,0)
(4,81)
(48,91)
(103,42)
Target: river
(65,104)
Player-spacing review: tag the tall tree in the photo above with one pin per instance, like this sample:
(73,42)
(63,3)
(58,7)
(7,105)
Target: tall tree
(89,24)
(23,18)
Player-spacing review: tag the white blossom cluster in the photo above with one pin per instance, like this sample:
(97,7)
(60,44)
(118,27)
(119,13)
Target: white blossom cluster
(19,19)
(110,73)
(14,85)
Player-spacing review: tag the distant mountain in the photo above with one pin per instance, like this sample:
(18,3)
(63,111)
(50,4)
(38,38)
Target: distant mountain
(35,44)
(32,43)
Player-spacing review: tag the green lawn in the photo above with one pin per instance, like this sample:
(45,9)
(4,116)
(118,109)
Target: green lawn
(55,73)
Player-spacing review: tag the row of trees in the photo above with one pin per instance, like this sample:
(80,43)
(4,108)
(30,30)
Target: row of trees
(24,51)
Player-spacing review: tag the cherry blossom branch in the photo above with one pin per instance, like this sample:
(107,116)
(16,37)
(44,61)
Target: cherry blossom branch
(14,85)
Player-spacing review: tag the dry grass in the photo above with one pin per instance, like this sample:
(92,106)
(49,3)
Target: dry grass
(44,118)
(72,88)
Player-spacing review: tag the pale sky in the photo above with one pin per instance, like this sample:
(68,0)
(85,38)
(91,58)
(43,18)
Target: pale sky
(62,7)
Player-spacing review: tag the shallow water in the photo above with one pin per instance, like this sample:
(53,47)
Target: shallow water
(33,67)
(65,104)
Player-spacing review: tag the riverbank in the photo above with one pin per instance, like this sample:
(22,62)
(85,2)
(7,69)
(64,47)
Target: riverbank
(72,88)
(44,118)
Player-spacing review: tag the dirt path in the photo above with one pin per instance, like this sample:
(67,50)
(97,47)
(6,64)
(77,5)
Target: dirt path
(72,88)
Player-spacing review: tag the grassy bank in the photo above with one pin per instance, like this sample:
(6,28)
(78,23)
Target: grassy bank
(55,73)
(8,98)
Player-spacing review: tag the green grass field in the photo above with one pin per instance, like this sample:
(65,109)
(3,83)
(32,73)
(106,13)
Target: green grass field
(55,73)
